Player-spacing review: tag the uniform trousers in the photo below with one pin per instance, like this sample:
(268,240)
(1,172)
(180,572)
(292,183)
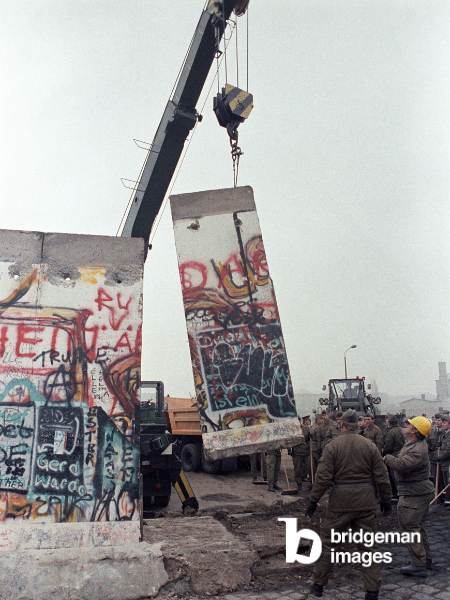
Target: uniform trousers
(273,460)
(342,521)
(412,512)
(300,462)
(446,481)
(254,464)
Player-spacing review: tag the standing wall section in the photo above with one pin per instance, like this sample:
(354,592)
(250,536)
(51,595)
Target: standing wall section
(241,373)
(70,353)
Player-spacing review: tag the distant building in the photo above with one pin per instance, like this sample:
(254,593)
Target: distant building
(442,384)
(420,406)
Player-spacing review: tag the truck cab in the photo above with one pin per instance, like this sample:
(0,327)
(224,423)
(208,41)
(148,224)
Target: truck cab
(344,394)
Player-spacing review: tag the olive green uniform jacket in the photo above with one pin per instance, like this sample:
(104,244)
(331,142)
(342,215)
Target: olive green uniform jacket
(415,490)
(302,449)
(354,466)
(436,436)
(328,430)
(412,469)
(375,435)
(445,450)
(315,437)
(394,440)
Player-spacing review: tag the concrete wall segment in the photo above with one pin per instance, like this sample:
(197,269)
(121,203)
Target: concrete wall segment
(110,573)
(70,343)
(239,359)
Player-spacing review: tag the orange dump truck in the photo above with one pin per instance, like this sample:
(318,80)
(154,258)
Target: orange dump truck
(184,421)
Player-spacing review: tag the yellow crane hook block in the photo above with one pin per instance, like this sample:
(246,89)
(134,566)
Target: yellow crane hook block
(232,107)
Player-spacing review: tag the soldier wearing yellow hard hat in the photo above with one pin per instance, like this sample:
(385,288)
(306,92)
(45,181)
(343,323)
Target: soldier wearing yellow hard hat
(415,491)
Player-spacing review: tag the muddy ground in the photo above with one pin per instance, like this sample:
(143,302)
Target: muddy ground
(250,512)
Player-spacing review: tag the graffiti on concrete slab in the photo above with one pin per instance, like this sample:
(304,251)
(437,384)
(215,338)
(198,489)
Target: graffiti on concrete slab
(238,354)
(69,379)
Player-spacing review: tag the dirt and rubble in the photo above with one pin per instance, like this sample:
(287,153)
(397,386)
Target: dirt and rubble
(236,543)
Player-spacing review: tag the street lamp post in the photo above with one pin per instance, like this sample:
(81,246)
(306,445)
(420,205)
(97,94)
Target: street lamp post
(345,359)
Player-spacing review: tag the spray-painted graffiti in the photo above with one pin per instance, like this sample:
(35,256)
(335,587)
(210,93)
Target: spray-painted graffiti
(237,348)
(241,355)
(69,378)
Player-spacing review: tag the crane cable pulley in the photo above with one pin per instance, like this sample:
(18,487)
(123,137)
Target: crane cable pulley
(231,107)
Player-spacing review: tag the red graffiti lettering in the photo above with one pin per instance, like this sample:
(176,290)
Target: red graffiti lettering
(104,300)
(193,275)
(3,339)
(138,342)
(22,330)
(123,342)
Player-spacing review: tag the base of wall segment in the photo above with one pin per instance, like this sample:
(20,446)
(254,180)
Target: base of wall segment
(21,537)
(108,573)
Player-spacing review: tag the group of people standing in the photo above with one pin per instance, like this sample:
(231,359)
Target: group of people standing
(439,452)
(363,469)
(363,472)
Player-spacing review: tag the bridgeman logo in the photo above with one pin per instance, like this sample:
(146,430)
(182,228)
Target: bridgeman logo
(293,538)
(363,538)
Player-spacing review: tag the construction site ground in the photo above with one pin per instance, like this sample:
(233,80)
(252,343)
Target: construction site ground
(234,547)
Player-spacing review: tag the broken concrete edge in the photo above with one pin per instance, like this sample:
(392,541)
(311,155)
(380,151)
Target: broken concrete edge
(249,440)
(109,573)
(203,538)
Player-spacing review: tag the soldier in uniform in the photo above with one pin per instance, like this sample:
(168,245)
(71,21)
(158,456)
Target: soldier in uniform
(300,455)
(315,442)
(434,441)
(352,464)
(415,490)
(273,461)
(372,432)
(328,430)
(393,443)
(444,458)
(361,425)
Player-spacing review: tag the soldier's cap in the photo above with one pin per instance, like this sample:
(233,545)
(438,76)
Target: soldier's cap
(438,416)
(446,418)
(360,418)
(324,412)
(369,414)
(392,419)
(306,417)
(350,416)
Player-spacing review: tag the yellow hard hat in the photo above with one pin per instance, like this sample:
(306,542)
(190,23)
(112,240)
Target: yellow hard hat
(422,424)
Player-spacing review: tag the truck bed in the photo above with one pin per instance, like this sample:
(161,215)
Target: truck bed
(182,416)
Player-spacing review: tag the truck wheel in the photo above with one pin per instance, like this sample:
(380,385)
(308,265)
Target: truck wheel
(190,457)
(161,501)
(210,466)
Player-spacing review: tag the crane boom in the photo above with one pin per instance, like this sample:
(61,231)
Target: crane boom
(179,118)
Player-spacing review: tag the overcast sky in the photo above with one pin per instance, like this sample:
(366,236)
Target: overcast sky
(347,150)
